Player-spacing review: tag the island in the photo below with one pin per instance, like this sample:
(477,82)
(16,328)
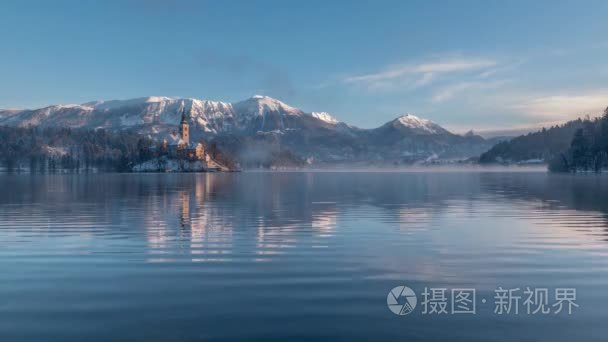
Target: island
(182,155)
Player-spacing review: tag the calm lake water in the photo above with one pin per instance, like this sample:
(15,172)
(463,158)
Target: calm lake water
(297,256)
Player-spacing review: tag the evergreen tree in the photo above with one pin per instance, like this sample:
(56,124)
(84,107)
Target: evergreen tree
(578,150)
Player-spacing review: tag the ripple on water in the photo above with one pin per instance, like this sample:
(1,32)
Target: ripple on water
(292,255)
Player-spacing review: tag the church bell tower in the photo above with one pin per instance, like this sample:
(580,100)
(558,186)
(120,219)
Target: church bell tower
(184,129)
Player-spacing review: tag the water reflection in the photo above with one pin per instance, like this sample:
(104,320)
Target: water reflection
(330,244)
(278,210)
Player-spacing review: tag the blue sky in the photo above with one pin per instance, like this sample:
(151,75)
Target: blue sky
(463,64)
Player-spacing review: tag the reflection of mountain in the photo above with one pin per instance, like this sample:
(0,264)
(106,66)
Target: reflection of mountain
(226,216)
(450,228)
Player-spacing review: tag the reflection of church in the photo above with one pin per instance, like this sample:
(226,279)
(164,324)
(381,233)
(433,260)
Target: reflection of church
(184,217)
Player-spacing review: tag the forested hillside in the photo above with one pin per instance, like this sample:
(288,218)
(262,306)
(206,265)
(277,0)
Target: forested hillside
(579,145)
(53,149)
(544,144)
(588,150)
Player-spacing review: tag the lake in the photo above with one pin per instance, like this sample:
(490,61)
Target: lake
(302,256)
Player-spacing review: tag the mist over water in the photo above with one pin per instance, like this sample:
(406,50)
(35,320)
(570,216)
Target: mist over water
(295,255)
(415,168)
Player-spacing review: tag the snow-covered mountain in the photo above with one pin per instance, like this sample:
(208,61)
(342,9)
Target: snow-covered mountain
(260,121)
(258,113)
(416,125)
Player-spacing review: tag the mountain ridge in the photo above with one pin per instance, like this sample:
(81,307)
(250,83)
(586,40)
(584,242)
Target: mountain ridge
(265,104)
(264,122)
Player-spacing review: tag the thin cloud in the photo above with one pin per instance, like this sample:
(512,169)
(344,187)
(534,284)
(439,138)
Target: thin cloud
(420,74)
(502,69)
(424,80)
(450,91)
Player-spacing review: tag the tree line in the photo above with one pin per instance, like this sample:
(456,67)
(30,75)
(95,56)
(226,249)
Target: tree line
(588,150)
(52,149)
(63,149)
(544,144)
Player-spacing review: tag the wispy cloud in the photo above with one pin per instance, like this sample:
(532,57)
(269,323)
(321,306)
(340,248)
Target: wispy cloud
(450,91)
(564,106)
(420,74)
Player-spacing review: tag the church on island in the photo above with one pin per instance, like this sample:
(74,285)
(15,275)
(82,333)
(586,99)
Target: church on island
(183,149)
(182,155)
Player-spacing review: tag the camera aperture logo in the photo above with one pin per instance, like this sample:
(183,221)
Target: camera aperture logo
(401,300)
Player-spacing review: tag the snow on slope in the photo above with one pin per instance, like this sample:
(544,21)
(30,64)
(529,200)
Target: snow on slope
(106,105)
(71,115)
(260,105)
(419,125)
(325,117)
(159,115)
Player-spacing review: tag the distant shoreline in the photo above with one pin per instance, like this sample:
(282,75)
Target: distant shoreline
(337,168)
